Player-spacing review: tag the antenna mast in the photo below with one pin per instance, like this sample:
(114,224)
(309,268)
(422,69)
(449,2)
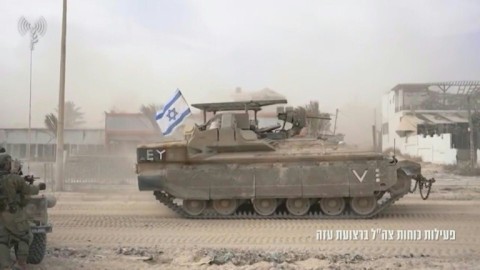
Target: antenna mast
(38,28)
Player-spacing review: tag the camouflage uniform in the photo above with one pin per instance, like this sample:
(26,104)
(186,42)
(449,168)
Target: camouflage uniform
(14,224)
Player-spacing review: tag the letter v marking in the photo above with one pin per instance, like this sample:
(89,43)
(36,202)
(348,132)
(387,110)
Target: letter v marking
(358,177)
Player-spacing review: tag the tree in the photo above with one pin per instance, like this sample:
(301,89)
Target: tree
(73,118)
(51,123)
(73,115)
(150,111)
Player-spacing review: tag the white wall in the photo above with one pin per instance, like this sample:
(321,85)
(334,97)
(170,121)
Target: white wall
(436,149)
(478,157)
(393,119)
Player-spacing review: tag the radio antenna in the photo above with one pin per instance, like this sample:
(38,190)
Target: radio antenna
(394,159)
(394,148)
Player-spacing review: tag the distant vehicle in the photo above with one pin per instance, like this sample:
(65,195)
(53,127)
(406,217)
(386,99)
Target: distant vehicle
(228,167)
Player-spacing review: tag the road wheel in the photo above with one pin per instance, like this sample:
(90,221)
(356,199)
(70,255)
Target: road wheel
(298,206)
(225,207)
(332,206)
(194,207)
(265,207)
(363,205)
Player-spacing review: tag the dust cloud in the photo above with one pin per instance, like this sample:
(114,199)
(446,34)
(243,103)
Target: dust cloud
(345,55)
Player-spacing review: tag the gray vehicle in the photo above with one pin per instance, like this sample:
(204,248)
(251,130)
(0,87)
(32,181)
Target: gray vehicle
(36,210)
(228,167)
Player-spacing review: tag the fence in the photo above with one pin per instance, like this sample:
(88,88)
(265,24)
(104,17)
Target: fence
(116,170)
(90,172)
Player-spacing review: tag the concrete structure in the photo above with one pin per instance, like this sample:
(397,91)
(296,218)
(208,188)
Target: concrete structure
(429,120)
(124,131)
(43,143)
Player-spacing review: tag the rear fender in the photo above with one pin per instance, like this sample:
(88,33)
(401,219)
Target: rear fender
(410,168)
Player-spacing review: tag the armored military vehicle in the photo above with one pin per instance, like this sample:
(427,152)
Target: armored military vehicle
(229,167)
(36,210)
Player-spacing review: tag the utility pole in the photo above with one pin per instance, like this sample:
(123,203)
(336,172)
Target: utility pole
(39,28)
(473,156)
(335,124)
(375,137)
(59,173)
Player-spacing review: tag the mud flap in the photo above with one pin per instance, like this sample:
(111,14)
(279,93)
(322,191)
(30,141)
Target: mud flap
(151,182)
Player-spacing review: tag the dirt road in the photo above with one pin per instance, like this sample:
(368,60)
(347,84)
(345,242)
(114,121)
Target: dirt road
(132,231)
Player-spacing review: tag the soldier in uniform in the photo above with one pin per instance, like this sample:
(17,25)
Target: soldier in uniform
(2,153)
(14,224)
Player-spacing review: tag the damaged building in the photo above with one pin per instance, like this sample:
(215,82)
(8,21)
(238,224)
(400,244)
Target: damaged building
(431,120)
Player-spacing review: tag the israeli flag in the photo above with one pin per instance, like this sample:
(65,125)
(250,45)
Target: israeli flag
(173,113)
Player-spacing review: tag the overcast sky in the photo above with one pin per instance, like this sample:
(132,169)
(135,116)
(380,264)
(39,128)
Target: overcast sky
(123,53)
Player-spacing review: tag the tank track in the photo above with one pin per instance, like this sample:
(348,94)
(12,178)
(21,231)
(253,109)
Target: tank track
(280,213)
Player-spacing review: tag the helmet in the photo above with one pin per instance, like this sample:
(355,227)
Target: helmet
(5,161)
(16,167)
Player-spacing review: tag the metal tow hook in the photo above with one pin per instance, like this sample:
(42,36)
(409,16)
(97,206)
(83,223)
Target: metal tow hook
(423,184)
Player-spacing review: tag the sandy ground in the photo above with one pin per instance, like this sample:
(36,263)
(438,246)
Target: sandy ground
(130,230)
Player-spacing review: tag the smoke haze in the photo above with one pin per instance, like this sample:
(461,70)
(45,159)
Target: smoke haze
(121,54)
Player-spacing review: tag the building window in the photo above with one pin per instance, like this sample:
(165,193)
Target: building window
(385,128)
(91,149)
(101,148)
(33,150)
(23,151)
(49,151)
(73,149)
(40,151)
(82,149)
(66,147)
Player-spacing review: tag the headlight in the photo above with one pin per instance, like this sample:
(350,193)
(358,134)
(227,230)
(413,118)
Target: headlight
(51,201)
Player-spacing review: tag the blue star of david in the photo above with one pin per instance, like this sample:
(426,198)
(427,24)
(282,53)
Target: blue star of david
(172,115)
